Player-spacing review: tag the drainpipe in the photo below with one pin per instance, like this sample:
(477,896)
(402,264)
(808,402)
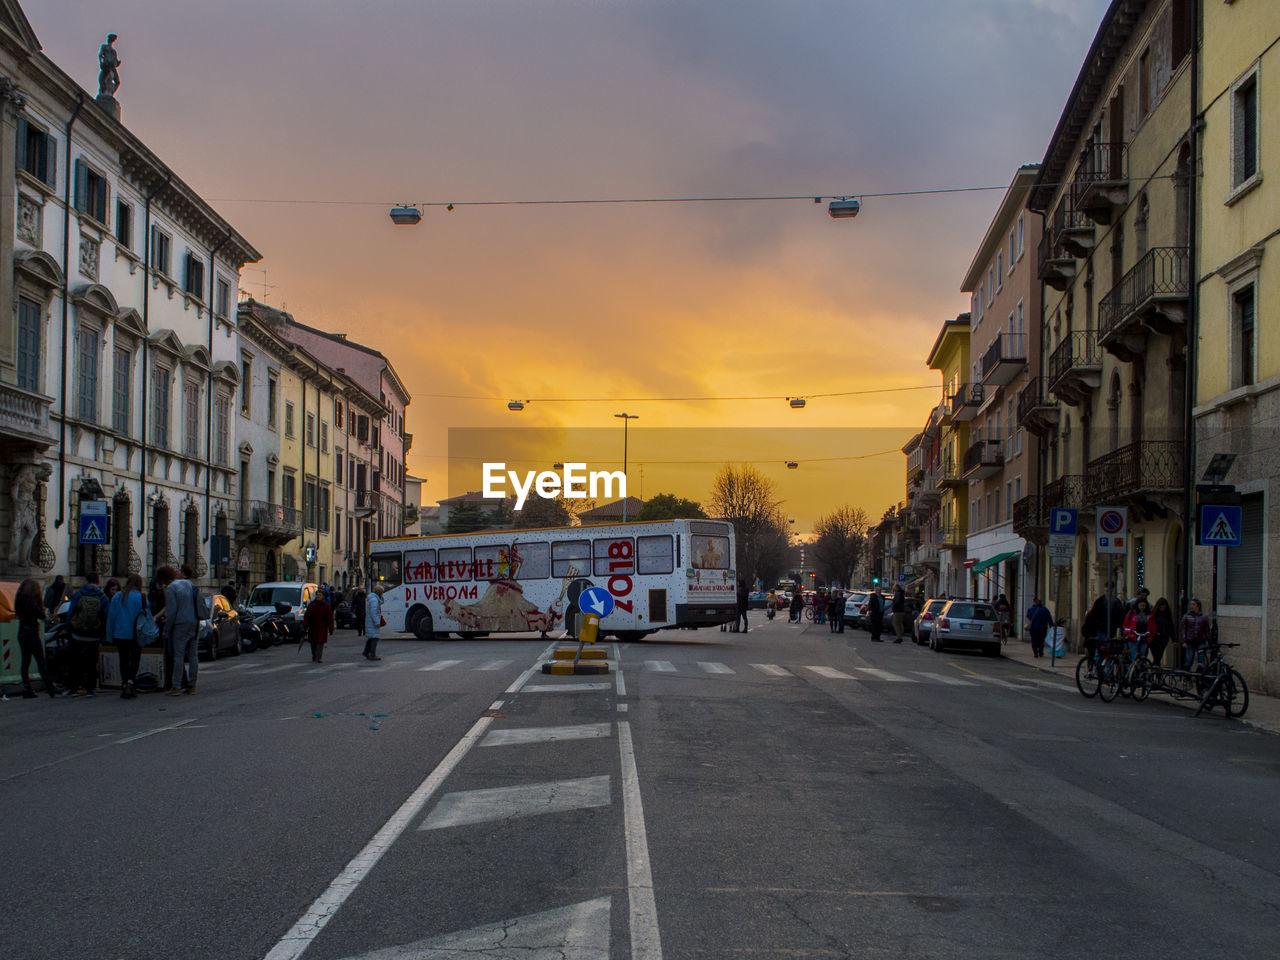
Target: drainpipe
(302,462)
(1193,321)
(208,415)
(146,347)
(66,296)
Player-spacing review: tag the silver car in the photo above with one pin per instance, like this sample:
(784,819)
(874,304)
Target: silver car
(967,623)
(928,616)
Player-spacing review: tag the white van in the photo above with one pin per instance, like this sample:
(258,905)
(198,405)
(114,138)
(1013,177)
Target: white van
(298,595)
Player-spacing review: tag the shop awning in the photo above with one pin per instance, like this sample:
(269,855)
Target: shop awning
(998,558)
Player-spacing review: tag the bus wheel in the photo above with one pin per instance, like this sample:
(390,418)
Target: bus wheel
(469,634)
(631,636)
(421,625)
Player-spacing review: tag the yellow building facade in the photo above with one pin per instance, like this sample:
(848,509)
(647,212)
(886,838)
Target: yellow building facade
(1237,382)
(961,399)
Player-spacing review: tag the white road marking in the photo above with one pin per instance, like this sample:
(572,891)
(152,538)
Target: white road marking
(521,735)
(496,705)
(618,683)
(772,669)
(523,800)
(622,708)
(441,665)
(1051,684)
(283,666)
(943,678)
(495,665)
(147,733)
(660,666)
(716,667)
(577,932)
(831,673)
(566,687)
(322,910)
(646,944)
(996,682)
(886,675)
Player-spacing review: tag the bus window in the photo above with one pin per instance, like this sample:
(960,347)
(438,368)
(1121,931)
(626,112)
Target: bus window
(386,569)
(710,553)
(420,566)
(615,557)
(455,564)
(654,555)
(570,558)
(491,561)
(535,561)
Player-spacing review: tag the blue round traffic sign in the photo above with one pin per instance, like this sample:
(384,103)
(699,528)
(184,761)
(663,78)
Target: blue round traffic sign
(596,600)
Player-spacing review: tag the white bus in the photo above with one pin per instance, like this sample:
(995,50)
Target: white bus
(662,574)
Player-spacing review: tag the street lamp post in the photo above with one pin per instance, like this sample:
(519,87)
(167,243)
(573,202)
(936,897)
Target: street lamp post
(624,417)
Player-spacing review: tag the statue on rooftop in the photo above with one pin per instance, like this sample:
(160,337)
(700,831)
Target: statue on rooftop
(108,72)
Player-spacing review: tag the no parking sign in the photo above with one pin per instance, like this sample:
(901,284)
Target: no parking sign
(1113,530)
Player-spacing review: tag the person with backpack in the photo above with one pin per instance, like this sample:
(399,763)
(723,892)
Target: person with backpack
(127,618)
(88,619)
(182,616)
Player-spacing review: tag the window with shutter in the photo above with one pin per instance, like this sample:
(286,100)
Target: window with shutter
(120,390)
(87,400)
(1243,570)
(28,345)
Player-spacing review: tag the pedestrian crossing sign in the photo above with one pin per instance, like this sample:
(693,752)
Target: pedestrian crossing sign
(1220,525)
(94,523)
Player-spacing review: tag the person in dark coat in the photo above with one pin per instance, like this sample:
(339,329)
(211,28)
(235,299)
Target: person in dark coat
(740,624)
(30,611)
(54,596)
(1163,632)
(318,622)
(898,607)
(836,610)
(357,604)
(875,614)
(1039,623)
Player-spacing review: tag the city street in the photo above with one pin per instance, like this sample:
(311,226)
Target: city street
(787,792)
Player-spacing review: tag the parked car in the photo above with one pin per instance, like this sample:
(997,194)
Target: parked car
(220,634)
(922,625)
(853,602)
(295,593)
(344,615)
(757,599)
(967,623)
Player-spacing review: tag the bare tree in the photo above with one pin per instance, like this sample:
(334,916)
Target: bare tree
(840,543)
(749,500)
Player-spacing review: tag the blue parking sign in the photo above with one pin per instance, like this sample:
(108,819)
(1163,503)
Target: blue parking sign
(1062,520)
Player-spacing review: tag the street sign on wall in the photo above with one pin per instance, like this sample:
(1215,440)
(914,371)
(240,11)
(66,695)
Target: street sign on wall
(1221,525)
(94,526)
(1062,535)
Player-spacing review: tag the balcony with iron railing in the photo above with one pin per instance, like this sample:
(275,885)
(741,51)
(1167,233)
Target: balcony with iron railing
(915,466)
(270,521)
(1004,359)
(1151,297)
(1139,470)
(965,402)
(1075,367)
(951,536)
(1101,184)
(950,474)
(1071,228)
(1030,518)
(1067,491)
(983,459)
(1054,263)
(1037,411)
(368,502)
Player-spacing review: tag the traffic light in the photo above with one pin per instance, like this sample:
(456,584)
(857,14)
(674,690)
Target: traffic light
(875,581)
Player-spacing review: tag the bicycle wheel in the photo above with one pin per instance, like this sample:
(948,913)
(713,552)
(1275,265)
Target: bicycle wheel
(1140,680)
(1087,676)
(808,613)
(1239,703)
(1108,679)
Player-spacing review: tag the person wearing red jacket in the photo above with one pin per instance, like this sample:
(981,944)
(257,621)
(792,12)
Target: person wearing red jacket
(1138,627)
(318,622)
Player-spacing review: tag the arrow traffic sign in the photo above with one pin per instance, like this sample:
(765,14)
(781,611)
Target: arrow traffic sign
(596,600)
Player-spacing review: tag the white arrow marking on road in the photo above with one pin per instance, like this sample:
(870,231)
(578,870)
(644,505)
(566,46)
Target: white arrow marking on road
(772,669)
(582,731)
(831,673)
(523,800)
(943,678)
(886,675)
(661,666)
(577,932)
(441,665)
(716,667)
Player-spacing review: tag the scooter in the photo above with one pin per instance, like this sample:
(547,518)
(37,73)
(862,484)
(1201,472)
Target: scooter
(272,626)
(250,632)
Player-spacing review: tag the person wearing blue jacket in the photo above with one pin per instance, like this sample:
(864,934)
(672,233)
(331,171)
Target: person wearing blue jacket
(122,630)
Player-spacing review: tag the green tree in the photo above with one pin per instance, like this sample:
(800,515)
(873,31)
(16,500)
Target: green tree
(468,517)
(667,506)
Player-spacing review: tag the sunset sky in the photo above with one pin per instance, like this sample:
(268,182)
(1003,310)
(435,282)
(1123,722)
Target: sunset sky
(265,107)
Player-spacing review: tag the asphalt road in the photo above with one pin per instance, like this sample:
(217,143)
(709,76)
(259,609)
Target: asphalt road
(781,793)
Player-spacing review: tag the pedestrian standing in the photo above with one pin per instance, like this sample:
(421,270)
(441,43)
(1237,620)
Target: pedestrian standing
(837,611)
(740,624)
(820,606)
(122,630)
(318,622)
(898,607)
(54,596)
(181,628)
(29,607)
(1196,632)
(875,614)
(88,619)
(373,622)
(1163,631)
(358,605)
(1004,613)
(1039,622)
(111,588)
(797,605)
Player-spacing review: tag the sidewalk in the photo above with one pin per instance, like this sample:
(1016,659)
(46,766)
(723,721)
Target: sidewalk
(1263,713)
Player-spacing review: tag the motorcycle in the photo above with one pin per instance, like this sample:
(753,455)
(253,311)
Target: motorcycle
(272,626)
(250,632)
